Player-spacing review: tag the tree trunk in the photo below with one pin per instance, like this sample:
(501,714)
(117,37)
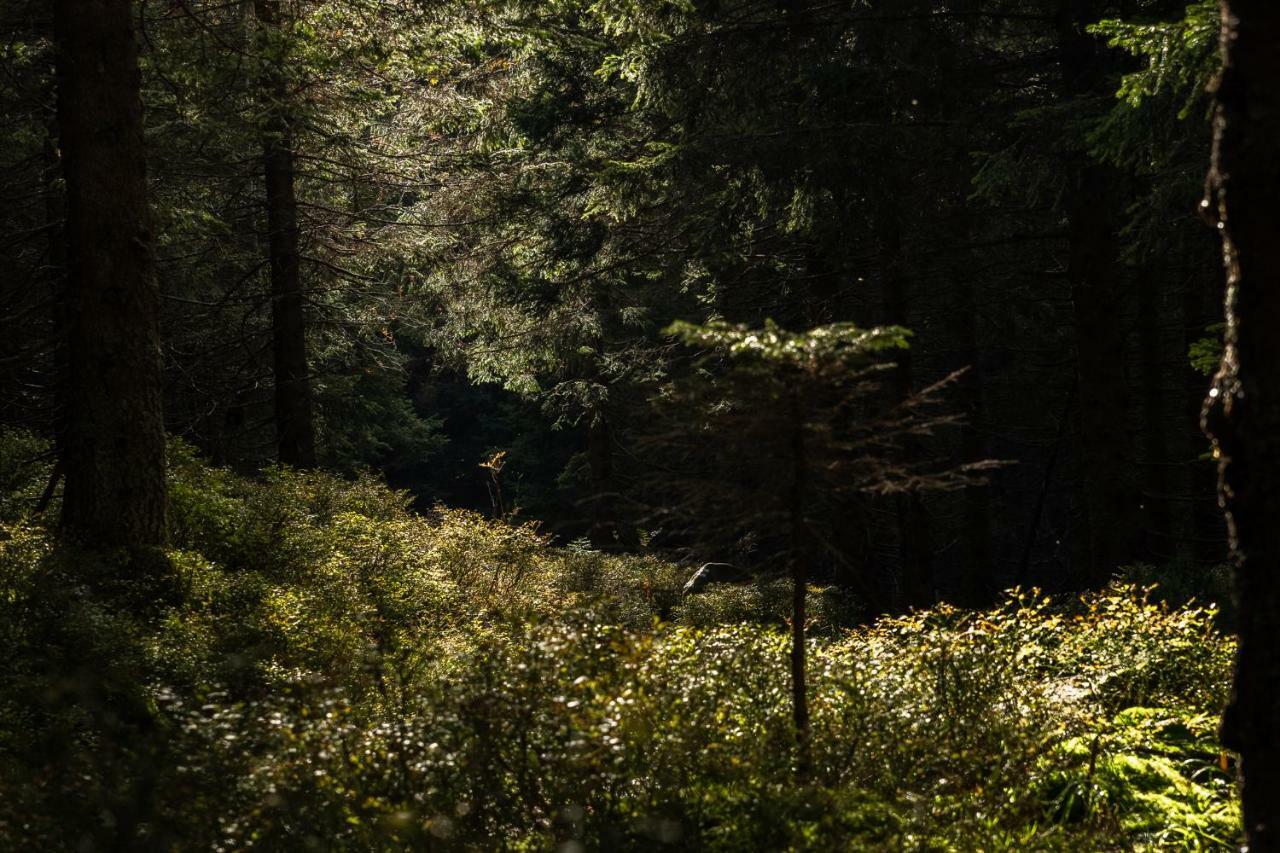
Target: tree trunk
(600,468)
(915,548)
(608,531)
(55,217)
(978,582)
(799,665)
(114,430)
(799,586)
(1204,533)
(1109,492)
(295,431)
(1157,512)
(1242,413)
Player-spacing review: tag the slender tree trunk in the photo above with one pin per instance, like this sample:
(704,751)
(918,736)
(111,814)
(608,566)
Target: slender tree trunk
(114,432)
(55,216)
(978,581)
(1109,492)
(799,665)
(1042,496)
(1242,413)
(914,542)
(799,586)
(295,430)
(608,530)
(1157,512)
(603,533)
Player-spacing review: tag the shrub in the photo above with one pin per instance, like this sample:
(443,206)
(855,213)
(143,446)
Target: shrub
(26,463)
(341,673)
(1128,650)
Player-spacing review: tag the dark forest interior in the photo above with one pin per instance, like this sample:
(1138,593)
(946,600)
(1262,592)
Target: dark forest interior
(640,424)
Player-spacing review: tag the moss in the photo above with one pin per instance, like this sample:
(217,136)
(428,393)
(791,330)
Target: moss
(1169,731)
(1151,772)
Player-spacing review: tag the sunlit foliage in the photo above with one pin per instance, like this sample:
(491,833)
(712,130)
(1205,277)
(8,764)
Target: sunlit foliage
(343,671)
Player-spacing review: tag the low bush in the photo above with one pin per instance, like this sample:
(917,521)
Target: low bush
(341,674)
(26,463)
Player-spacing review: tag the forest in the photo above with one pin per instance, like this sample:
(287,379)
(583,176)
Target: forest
(645,425)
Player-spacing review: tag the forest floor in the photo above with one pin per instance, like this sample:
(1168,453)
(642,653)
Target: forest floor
(332,671)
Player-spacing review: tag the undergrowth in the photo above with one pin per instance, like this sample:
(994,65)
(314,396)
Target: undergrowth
(338,673)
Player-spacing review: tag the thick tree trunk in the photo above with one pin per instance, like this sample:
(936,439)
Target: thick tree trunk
(1242,413)
(295,431)
(1204,533)
(1109,492)
(114,431)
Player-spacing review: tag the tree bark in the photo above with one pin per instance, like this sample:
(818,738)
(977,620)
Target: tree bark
(114,432)
(1242,412)
(1109,496)
(799,665)
(978,582)
(1157,512)
(1205,531)
(607,534)
(55,216)
(600,469)
(295,430)
(915,549)
(798,558)
(1109,490)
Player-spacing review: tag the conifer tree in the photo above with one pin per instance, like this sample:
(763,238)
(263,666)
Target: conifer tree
(1242,412)
(113,452)
(767,430)
(295,430)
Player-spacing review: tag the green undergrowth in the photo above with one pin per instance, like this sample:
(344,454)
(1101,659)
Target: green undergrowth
(335,672)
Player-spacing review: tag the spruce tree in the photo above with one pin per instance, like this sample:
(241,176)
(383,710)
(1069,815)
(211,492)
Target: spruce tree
(113,450)
(1242,412)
